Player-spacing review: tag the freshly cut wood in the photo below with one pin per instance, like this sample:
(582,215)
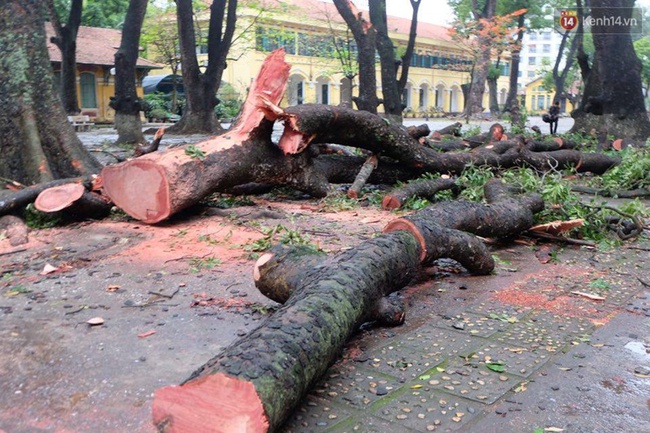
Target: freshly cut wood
(558,227)
(13,201)
(72,201)
(362,177)
(151,147)
(427,188)
(418,131)
(154,186)
(59,197)
(329,300)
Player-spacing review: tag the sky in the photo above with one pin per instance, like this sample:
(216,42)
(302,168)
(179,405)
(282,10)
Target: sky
(431,11)
(438,11)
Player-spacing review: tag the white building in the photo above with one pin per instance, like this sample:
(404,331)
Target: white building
(537,48)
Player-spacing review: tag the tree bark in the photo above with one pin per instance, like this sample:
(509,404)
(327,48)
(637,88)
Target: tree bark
(66,40)
(424,189)
(515,59)
(126,103)
(481,68)
(155,186)
(613,96)
(37,143)
(201,87)
(363,176)
(364,35)
(265,375)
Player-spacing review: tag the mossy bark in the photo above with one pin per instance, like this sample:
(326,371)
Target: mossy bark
(326,300)
(296,345)
(36,141)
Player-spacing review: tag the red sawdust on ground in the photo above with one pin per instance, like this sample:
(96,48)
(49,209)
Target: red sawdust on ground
(207,237)
(549,289)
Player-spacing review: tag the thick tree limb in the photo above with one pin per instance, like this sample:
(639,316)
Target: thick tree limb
(264,375)
(423,189)
(309,123)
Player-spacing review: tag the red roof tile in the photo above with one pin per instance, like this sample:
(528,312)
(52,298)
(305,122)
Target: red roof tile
(95,46)
(317,9)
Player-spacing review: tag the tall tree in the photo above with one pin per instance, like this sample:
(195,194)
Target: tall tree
(484,38)
(392,86)
(642,49)
(613,96)
(36,141)
(126,103)
(201,87)
(364,35)
(515,59)
(533,18)
(66,41)
(482,12)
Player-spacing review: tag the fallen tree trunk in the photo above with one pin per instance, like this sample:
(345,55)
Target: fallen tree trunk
(155,186)
(255,383)
(310,123)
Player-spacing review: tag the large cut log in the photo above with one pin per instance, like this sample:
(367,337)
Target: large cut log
(157,185)
(254,384)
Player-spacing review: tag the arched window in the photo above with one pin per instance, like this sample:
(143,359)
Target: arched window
(88,91)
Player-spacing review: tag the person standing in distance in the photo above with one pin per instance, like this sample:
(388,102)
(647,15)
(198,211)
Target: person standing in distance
(554,116)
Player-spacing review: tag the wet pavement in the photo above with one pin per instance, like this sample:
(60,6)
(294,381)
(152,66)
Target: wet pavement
(533,352)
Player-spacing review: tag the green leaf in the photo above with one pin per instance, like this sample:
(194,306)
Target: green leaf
(495,366)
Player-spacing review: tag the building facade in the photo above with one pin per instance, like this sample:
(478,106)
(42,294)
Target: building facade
(96,49)
(305,28)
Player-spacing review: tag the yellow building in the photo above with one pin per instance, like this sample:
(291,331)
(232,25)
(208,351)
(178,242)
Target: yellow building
(438,68)
(539,100)
(96,49)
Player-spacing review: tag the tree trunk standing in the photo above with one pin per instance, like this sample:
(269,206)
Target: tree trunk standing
(364,35)
(66,40)
(392,98)
(493,95)
(126,103)
(481,68)
(613,97)
(474,102)
(513,84)
(36,141)
(493,75)
(392,87)
(201,88)
(559,78)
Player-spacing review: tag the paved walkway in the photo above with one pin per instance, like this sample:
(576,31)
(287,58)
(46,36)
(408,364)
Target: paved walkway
(537,351)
